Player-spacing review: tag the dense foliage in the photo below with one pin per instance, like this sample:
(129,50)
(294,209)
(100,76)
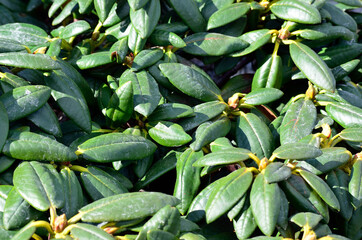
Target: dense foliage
(180,119)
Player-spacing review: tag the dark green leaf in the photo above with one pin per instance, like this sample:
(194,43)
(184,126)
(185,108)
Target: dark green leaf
(224,156)
(276,172)
(26,60)
(137,4)
(227,14)
(256,39)
(146,58)
(297,151)
(306,219)
(339,17)
(269,75)
(262,96)
(355,184)
(245,225)
(168,134)
(345,114)
(103,7)
(25,233)
(4,125)
(74,29)
(169,111)
(165,38)
(190,14)
(145,19)
(90,232)
(46,120)
(94,60)
(24,33)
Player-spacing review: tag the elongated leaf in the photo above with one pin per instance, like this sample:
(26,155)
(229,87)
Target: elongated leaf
(91,232)
(17,211)
(227,14)
(306,218)
(126,206)
(296,11)
(245,225)
(321,188)
(169,134)
(225,156)
(312,66)
(297,151)
(70,99)
(146,58)
(66,11)
(231,189)
(73,195)
(253,134)
(355,184)
(25,233)
(39,184)
(265,204)
(22,101)
(263,96)
(24,33)
(46,120)
(339,17)
(74,29)
(256,39)
(54,7)
(238,207)
(298,122)
(276,172)
(4,125)
(268,75)
(213,44)
(188,178)
(94,60)
(190,81)
(164,38)
(159,234)
(115,147)
(339,54)
(169,111)
(137,4)
(345,114)
(103,7)
(209,131)
(203,112)
(190,14)
(100,184)
(145,19)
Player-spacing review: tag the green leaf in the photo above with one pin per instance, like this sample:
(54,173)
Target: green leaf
(270,74)
(245,225)
(227,14)
(146,58)
(120,106)
(5,163)
(306,219)
(126,206)
(22,101)
(227,193)
(100,184)
(238,208)
(297,151)
(65,12)
(119,50)
(213,44)
(18,212)
(165,38)
(355,184)
(190,81)
(338,180)
(298,122)
(262,96)
(209,131)
(190,14)
(168,134)
(219,144)
(265,204)
(25,233)
(145,19)
(192,236)
(90,232)
(166,219)
(161,167)
(346,115)
(340,17)
(39,184)
(137,4)
(54,7)
(26,60)
(4,125)
(103,7)
(253,134)
(94,60)
(159,234)
(135,42)
(225,156)
(74,29)
(277,172)
(116,147)
(203,112)
(321,188)
(256,39)
(170,111)
(73,194)
(312,66)
(339,54)
(296,11)
(188,178)
(46,120)
(24,33)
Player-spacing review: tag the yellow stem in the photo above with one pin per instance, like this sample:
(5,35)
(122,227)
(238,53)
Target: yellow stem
(255,158)
(43,224)
(36,237)
(75,219)
(78,168)
(272,158)
(276,48)
(53,215)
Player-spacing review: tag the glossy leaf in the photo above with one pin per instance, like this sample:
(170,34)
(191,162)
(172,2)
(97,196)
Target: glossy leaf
(145,19)
(276,172)
(24,33)
(262,96)
(253,134)
(169,111)
(39,184)
(190,81)
(103,7)
(25,233)
(245,225)
(73,194)
(213,44)
(137,4)
(4,125)
(26,60)
(46,120)
(321,188)
(296,11)
(126,206)
(116,147)
(190,14)
(298,122)
(355,184)
(94,60)
(345,114)
(306,219)
(312,66)
(339,54)
(265,204)
(74,29)
(119,49)
(297,151)
(227,14)
(225,156)
(187,179)
(91,232)
(229,191)
(165,38)
(146,58)
(256,39)
(268,75)
(339,17)
(169,134)
(159,234)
